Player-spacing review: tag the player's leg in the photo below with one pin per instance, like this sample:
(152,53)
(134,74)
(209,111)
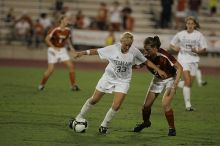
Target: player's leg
(70,66)
(200,82)
(146,111)
(97,95)
(46,76)
(169,114)
(117,102)
(187,90)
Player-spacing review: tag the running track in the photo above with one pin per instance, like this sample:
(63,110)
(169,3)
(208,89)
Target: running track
(81,65)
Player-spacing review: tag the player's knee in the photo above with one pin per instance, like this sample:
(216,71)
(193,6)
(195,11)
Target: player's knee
(71,70)
(49,71)
(71,67)
(166,107)
(187,83)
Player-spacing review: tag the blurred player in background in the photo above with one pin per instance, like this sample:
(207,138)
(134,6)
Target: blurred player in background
(117,76)
(57,39)
(173,69)
(189,43)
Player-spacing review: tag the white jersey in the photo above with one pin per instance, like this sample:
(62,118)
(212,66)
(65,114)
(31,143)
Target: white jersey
(119,68)
(186,41)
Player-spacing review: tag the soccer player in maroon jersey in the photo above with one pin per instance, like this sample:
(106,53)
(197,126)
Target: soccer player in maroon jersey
(56,39)
(173,69)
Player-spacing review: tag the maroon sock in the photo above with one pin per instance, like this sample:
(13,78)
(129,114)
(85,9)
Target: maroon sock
(170,118)
(44,80)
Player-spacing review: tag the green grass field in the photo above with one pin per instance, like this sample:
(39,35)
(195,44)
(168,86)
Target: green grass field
(32,118)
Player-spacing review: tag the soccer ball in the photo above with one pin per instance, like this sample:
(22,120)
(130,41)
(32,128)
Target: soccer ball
(80,126)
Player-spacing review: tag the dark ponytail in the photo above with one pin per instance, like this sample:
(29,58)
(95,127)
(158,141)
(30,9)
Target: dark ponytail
(153,42)
(157,42)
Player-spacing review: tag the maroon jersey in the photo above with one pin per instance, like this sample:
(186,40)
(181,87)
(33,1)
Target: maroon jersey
(59,36)
(164,61)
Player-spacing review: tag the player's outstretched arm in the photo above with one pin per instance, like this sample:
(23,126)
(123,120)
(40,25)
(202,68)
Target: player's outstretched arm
(72,49)
(86,52)
(179,70)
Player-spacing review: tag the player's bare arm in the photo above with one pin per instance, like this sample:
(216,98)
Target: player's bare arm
(87,52)
(48,41)
(199,50)
(175,48)
(179,70)
(70,44)
(160,72)
(72,49)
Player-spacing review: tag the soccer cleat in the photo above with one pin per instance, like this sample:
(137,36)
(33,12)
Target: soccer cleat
(204,83)
(190,109)
(41,87)
(141,126)
(71,123)
(103,130)
(172,132)
(75,88)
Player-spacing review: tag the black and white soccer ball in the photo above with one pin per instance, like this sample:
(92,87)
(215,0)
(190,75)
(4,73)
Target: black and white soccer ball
(79,126)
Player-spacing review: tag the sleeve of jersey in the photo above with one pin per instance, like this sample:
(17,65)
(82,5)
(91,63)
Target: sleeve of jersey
(139,58)
(104,53)
(174,40)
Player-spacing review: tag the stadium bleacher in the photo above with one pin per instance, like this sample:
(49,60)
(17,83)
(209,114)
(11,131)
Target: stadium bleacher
(145,13)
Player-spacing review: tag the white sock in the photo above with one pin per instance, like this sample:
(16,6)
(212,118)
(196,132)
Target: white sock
(108,117)
(181,84)
(199,77)
(186,95)
(86,107)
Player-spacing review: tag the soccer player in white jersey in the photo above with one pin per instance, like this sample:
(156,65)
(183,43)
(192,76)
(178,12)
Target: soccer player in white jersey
(189,43)
(117,76)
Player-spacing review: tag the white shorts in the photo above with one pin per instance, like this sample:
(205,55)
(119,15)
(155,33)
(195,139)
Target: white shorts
(55,56)
(191,67)
(157,85)
(108,86)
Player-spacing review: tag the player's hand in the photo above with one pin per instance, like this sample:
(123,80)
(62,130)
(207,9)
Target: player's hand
(162,74)
(176,49)
(195,50)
